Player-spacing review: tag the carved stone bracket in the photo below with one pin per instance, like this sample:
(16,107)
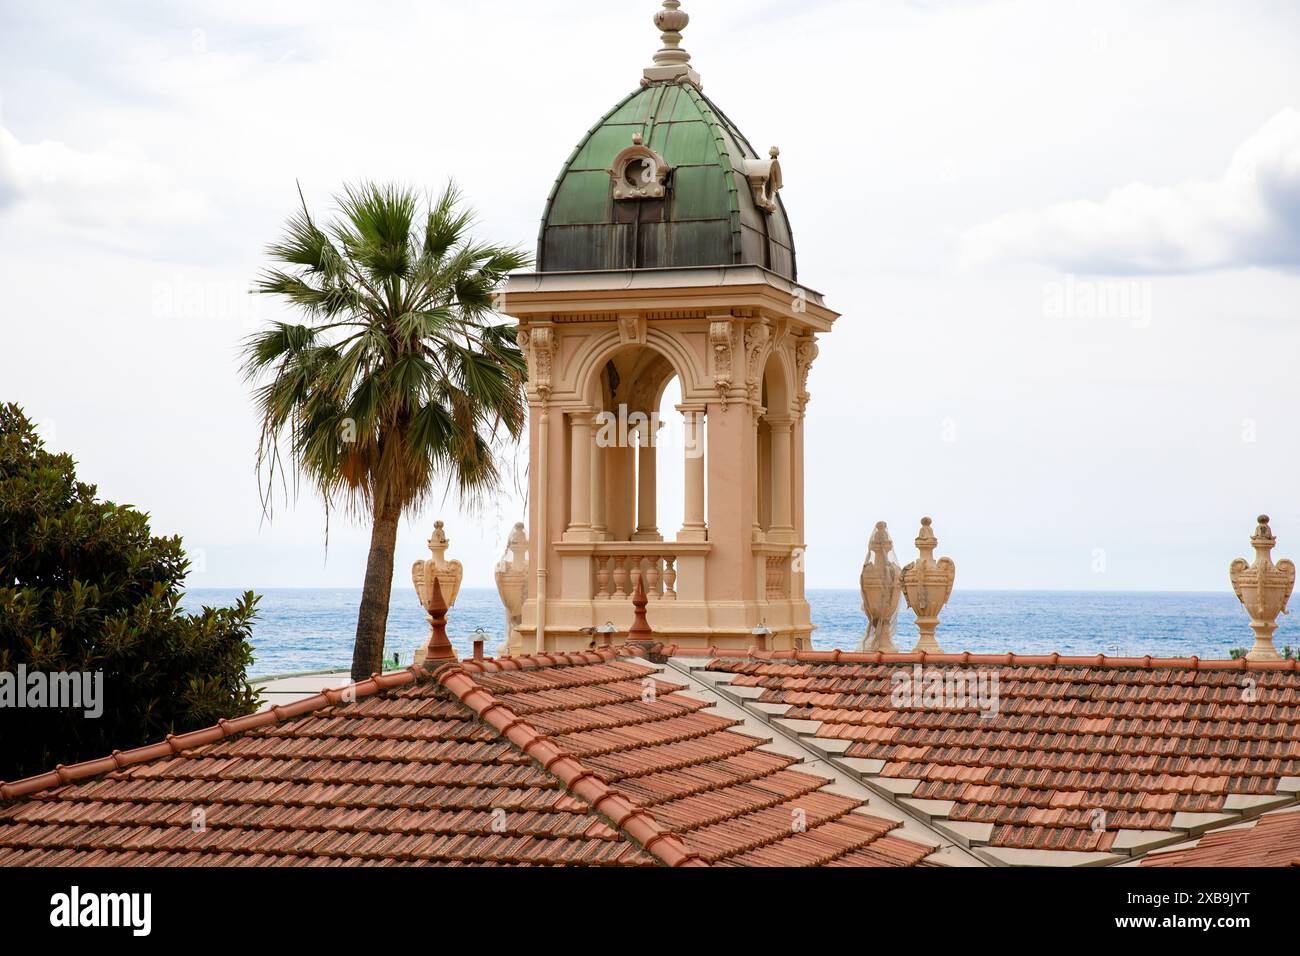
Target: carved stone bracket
(722,341)
(539,346)
(805,353)
(758,340)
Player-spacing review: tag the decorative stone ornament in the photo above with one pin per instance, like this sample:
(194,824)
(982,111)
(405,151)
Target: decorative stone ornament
(438,649)
(512,585)
(721,338)
(438,570)
(882,588)
(639,172)
(927,583)
(1264,588)
(765,179)
(671,62)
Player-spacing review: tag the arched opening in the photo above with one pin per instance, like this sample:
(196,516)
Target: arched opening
(638,445)
(775,454)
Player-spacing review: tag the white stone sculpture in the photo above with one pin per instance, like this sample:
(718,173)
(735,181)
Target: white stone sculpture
(881,582)
(927,582)
(512,585)
(1264,588)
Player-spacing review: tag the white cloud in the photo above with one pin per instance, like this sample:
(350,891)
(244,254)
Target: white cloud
(101,194)
(1248,217)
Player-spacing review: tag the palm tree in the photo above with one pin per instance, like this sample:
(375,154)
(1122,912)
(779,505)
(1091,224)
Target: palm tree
(397,378)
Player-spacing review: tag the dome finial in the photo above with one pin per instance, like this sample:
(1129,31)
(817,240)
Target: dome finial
(671,62)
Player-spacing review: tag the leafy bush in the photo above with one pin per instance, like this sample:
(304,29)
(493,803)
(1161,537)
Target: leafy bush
(85,588)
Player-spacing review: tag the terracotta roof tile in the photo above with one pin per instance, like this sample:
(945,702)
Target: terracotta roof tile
(1272,840)
(561,759)
(1139,739)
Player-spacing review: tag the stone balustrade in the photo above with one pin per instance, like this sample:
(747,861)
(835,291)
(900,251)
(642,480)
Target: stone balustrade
(617,574)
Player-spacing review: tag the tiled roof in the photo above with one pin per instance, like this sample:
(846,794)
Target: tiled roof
(712,788)
(1087,755)
(1270,840)
(572,759)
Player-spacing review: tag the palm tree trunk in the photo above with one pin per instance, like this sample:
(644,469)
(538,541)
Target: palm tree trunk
(372,621)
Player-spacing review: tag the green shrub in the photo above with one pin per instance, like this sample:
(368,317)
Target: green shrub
(85,588)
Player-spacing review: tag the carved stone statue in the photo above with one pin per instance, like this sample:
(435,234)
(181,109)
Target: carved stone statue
(882,587)
(1264,588)
(512,584)
(928,585)
(448,574)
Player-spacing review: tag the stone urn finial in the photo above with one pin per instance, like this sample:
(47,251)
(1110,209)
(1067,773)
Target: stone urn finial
(671,21)
(671,62)
(881,582)
(512,585)
(1264,588)
(927,583)
(438,571)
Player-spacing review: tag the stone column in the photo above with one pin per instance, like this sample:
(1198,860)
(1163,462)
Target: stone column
(599,524)
(647,523)
(579,477)
(693,525)
(782,519)
(756,415)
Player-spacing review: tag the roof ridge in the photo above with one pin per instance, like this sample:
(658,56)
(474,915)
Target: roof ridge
(494,665)
(1009,658)
(174,744)
(634,822)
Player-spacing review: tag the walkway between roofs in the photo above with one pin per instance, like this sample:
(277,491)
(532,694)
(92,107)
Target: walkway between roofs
(951,854)
(285,690)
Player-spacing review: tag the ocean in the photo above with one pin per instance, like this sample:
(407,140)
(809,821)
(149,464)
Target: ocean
(312,629)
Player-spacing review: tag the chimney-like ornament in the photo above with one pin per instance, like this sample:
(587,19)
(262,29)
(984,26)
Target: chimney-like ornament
(927,582)
(438,649)
(881,582)
(671,62)
(1264,589)
(436,572)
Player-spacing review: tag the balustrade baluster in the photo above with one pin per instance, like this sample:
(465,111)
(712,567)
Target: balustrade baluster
(602,578)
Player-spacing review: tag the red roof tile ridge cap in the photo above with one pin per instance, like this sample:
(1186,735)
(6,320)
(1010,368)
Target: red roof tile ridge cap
(578,779)
(178,744)
(521,662)
(966,657)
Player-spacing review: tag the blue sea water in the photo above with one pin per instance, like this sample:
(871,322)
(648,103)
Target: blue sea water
(312,629)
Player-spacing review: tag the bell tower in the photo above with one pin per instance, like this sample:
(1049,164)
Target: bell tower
(665,252)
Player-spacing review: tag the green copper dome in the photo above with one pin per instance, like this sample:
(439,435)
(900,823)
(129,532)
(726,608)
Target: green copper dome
(701,195)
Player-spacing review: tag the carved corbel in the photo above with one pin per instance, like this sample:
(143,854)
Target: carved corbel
(805,353)
(722,341)
(758,340)
(541,356)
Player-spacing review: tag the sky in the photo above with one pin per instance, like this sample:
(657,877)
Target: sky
(1064,239)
